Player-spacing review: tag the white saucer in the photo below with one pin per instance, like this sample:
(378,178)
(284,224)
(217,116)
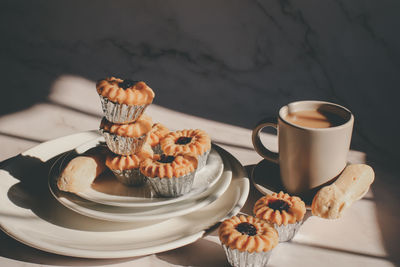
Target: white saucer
(109,191)
(31,215)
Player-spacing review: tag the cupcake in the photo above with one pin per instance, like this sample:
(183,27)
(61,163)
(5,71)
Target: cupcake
(247,241)
(157,133)
(285,212)
(126,139)
(123,101)
(193,141)
(170,175)
(126,168)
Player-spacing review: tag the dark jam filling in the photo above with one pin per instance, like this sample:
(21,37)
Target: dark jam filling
(183,140)
(278,204)
(246,229)
(127,83)
(166,159)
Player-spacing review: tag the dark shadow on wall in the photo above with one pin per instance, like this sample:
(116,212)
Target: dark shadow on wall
(230,66)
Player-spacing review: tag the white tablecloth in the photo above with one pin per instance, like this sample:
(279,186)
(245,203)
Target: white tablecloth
(367,235)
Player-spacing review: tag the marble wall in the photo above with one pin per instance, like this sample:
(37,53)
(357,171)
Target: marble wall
(230,61)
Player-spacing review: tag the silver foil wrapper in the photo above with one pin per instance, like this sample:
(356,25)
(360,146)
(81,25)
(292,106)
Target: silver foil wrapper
(132,177)
(202,159)
(239,258)
(172,187)
(287,232)
(123,145)
(121,113)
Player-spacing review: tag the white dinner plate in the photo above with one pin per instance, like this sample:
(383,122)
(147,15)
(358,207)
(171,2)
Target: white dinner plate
(135,214)
(30,214)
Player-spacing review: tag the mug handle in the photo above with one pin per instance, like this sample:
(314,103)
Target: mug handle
(258,145)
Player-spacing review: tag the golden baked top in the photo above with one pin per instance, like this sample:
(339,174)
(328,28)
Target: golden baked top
(134,129)
(194,141)
(157,132)
(125,91)
(168,166)
(247,233)
(280,208)
(127,162)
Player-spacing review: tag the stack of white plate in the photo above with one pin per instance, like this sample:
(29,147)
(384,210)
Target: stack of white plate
(112,220)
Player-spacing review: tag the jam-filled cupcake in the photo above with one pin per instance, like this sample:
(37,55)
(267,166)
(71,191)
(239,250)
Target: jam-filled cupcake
(193,141)
(126,168)
(157,133)
(285,212)
(170,175)
(123,101)
(247,241)
(126,139)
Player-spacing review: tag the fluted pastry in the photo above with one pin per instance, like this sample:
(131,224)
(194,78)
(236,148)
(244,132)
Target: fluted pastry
(169,166)
(123,101)
(284,211)
(157,133)
(126,139)
(247,241)
(247,233)
(125,162)
(195,141)
(280,208)
(135,129)
(126,167)
(125,91)
(170,175)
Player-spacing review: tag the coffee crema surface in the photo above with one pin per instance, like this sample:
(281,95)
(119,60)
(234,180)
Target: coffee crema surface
(314,119)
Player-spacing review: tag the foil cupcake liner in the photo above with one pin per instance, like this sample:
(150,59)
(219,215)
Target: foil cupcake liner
(132,177)
(123,145)
(239,258)
(202,159)
(287,232)
(121,113)
(172,187)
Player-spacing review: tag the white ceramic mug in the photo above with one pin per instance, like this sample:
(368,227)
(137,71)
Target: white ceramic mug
(307,157)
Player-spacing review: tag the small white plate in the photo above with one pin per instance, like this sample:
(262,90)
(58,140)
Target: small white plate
(109,191)
(31,215)
(136,214)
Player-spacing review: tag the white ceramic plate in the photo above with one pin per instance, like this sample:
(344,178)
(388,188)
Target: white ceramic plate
(30,214)
(135,214)
(109,191)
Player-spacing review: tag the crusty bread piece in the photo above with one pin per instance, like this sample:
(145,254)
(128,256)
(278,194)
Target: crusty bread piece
(354,182)
(80,172)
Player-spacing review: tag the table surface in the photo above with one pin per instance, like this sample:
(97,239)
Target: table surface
(367,234)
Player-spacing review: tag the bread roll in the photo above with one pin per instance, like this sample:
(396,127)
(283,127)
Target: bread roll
(81,171)
(354,182)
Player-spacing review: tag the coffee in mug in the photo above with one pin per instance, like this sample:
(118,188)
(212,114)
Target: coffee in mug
(313,143)
(314,119)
